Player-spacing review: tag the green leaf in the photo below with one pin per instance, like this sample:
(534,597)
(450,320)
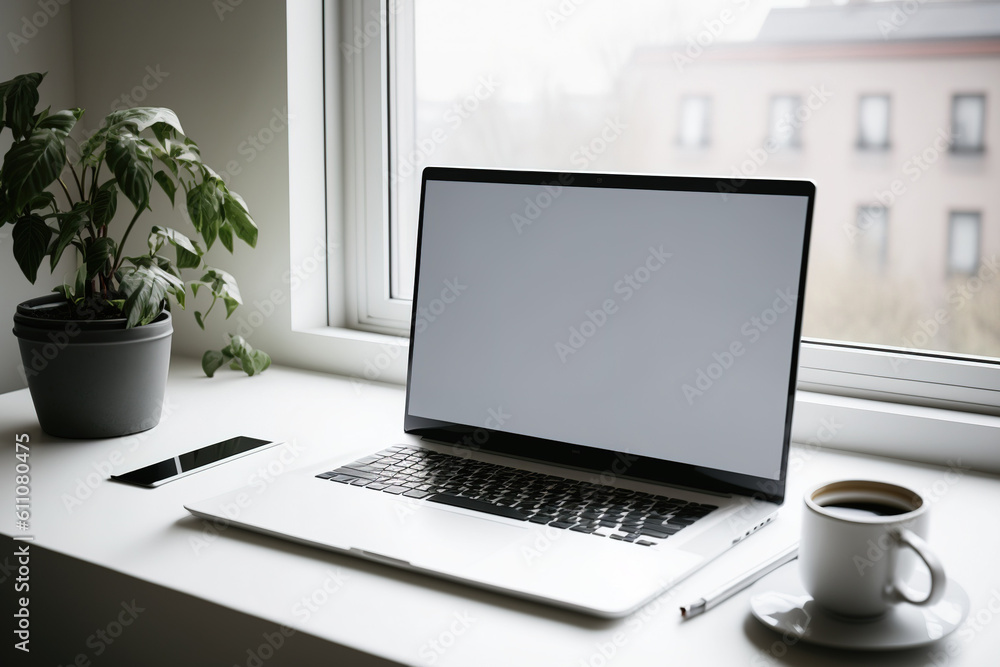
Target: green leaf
(167,184)
(160,263)
(222,285)
(90,150)
(61,122)
(105,204)
(129,159)
(261,361)
(231,305)
(100,252)
(21,98)
(239,216)
(145,289)
(226,235)
(205,205)
(80,282)
(70,225)
(188,252)
(32,165)
(31,239)
(198,317)
(163,132)
(212,361)
(242,355)
(42,200)
(65,290)
(138,119)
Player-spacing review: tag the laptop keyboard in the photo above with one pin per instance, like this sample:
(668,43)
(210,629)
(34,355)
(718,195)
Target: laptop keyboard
(584,507)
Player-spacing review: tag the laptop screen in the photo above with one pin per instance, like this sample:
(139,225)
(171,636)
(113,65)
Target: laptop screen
(653,317)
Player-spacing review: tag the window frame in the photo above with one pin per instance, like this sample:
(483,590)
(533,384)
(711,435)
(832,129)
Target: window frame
(368,301)
(833,368)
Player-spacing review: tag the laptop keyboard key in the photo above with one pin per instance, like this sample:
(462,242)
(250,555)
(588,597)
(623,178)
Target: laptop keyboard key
(477,505)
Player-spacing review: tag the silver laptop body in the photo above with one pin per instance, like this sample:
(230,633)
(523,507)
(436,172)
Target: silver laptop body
(625,331)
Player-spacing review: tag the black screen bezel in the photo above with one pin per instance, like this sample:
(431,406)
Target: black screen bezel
(616,464)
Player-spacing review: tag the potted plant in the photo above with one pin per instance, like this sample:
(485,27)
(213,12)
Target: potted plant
(95,353)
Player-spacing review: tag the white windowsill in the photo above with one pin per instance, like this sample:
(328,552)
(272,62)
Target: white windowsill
(913,432)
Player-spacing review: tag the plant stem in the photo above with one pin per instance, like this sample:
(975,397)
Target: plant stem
(66,190)
(93,183)
(121,245)
(79,183)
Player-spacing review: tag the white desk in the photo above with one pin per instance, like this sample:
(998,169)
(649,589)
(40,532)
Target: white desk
(149,548)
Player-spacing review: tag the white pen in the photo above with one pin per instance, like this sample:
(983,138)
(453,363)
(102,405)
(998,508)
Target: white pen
(730,589)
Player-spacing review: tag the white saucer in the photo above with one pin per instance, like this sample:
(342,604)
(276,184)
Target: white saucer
(781,603)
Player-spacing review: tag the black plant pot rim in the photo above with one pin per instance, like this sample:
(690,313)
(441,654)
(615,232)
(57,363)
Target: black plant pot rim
(28,326)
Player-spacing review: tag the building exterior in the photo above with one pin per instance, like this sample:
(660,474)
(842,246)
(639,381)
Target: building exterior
(893,110)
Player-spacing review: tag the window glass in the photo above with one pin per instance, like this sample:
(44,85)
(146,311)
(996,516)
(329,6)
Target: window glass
(694,124)
(873,121)
(871,236)
(969,111)
(773,89)
(963,242)
(784,131)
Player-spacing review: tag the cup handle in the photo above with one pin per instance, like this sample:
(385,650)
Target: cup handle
(903,593)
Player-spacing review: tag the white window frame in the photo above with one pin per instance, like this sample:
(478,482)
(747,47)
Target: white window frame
(874,387)
(368,300)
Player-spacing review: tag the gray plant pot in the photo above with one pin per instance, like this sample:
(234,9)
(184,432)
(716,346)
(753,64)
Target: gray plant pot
(93,378)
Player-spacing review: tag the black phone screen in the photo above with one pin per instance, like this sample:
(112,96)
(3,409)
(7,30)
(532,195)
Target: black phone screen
(188,462)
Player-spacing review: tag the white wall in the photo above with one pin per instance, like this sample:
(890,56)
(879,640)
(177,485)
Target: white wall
(48,48)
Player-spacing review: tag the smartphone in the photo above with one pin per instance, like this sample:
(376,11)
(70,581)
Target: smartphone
(197,459)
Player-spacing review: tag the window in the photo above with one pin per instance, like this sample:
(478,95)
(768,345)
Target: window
(872,230)
(695,116)
(963,242)
(968,116)
(585,87)
(873,122)
(784,126)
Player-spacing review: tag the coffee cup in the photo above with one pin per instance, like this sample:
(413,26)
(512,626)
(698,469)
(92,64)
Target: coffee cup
(861,541)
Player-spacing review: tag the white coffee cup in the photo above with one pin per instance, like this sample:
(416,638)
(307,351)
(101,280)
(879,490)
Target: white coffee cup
(853,556)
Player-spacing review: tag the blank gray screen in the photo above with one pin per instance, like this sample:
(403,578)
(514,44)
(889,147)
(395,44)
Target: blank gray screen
(659,323)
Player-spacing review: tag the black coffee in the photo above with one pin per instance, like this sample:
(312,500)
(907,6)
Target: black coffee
(862,510)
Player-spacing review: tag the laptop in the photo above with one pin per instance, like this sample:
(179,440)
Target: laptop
(602,373)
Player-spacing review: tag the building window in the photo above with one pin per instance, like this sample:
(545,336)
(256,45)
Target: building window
(695,116)
(784,127)
(872,232)
(968,116)
(873,122)
(963,241)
